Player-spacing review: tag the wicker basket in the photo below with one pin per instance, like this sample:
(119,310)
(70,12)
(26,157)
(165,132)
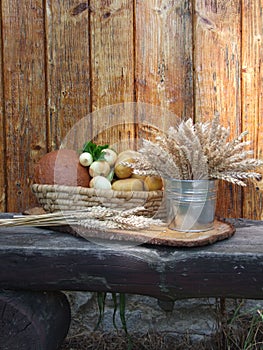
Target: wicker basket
(56,197)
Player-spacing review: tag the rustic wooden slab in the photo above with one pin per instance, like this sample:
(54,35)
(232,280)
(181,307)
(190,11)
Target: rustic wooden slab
(158,235)
(40,259)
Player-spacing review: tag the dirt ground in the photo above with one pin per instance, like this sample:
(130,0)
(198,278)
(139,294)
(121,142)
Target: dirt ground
(242,333)
(100,341)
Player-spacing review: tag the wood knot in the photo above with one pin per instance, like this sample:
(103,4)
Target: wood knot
(106,15)
(80,8)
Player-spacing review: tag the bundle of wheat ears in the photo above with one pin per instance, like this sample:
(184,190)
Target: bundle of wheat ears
(97,217)
(197,151)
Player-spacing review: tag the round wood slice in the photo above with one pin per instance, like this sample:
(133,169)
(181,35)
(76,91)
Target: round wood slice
(159,235)
(220,231)
(33,320)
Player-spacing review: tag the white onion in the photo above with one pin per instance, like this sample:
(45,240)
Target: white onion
(99,167)
(109,155)
(85,159)
(100,182)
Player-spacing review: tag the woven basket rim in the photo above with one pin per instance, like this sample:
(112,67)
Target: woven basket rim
(60,197)
(36,188)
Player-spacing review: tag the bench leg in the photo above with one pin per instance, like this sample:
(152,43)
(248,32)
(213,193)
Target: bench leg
(33,320)
(166,305)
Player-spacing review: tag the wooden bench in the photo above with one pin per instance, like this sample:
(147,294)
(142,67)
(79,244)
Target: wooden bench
(36,264)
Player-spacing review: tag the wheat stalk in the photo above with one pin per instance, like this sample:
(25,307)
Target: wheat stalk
(198,151)
(99,218)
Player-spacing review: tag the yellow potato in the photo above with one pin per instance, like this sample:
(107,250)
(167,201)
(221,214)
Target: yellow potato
(127,154)
(128,185)
(140,177)
(153,183)
(122,171)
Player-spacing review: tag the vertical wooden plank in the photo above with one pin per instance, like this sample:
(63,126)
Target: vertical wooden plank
(68,69)
(24,94)
(217,61)
(252,95)
(112,69)
(112,52)
(164,55)
(2,127)
(217,58)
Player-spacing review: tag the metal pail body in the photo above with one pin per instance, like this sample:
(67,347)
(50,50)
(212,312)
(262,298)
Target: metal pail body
(190,204)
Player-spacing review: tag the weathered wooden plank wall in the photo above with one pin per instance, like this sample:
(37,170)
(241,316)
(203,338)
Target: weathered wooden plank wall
(67,66)
(23,84)
(252,94)
(112,64)
(61,60)
(2,133)
(164,71)
(217,50)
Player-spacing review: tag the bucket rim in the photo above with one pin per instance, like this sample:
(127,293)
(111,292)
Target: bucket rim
(191,181)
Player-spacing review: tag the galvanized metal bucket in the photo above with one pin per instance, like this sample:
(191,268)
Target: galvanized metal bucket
(190,204)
